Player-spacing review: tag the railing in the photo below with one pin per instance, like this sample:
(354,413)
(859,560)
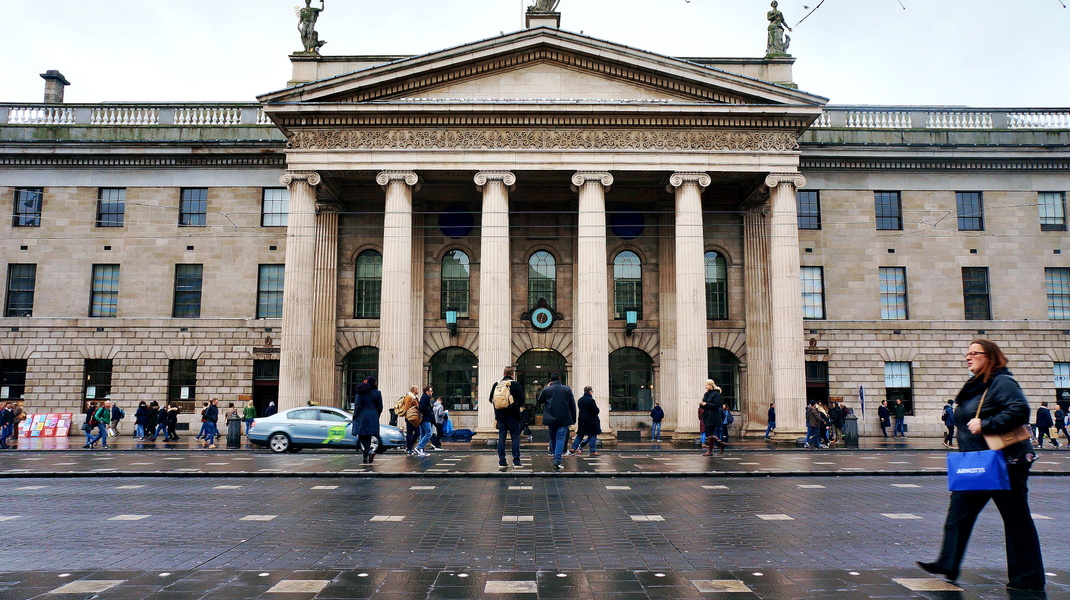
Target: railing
(942,117)
(134,115)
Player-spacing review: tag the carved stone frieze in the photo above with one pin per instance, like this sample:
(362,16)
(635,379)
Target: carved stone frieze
(534,139)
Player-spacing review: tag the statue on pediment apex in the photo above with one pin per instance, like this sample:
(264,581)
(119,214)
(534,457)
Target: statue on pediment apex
(306,25)
(544,6)
(777,43)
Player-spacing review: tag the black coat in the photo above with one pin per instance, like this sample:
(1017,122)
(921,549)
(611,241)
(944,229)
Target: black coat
(884,415)
(1005,408)
(141,416)
(211,413)
(657,414)
(1044,420)
(427,409)
(588,422)
(560,409)
(712,413)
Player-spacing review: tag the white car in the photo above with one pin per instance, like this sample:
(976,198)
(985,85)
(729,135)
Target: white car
(316,427)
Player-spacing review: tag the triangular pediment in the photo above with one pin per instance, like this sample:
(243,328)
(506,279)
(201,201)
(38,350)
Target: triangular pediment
(542,64)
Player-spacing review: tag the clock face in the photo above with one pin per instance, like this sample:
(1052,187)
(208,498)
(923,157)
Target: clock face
(542,318)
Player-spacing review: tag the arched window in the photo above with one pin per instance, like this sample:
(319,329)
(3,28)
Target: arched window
(455,284)
(716,286)
(627,284)
(368,286)
(542,279)
(454,372)
(631,380)
(358,364)
(724,369)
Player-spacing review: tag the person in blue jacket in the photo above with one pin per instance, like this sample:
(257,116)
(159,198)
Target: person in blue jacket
(657,414)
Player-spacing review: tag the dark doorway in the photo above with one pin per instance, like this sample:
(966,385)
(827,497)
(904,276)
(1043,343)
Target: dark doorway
(533,370)
(817,382)
(265,384)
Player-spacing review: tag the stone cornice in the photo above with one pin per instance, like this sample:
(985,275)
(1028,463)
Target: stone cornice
(142,161)
(863,163)
(541,139)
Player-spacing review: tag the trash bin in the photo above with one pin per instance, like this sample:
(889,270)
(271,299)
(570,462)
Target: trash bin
(850,431)
(234,433)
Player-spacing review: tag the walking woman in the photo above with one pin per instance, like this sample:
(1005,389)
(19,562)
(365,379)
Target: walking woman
(141,420)
(1003,408)
(588,425)
(367,406)
(714,416)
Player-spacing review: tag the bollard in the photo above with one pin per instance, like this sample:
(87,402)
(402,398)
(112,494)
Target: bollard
(850,431)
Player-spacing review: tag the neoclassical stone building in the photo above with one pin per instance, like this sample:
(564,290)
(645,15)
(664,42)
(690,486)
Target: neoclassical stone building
(541,199)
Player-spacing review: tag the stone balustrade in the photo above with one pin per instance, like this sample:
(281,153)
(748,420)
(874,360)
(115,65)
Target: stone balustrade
(942,117)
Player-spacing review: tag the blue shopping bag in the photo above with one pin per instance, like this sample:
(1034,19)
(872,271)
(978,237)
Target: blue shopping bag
(977,471)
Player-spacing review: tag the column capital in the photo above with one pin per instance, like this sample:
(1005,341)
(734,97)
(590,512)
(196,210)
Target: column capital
(408,177)
(582,177)
(680,179)
(774,179)
(329,206)
(507,178)
(311,177)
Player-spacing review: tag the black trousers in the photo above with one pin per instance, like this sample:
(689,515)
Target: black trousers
(412,433)
(1025,566)
(949,437)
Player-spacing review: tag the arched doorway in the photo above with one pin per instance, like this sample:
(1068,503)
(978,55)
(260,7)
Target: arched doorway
(358,364)
(533,370)
(453,375)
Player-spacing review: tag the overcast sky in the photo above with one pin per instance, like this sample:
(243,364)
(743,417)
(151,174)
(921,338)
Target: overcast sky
(963,52)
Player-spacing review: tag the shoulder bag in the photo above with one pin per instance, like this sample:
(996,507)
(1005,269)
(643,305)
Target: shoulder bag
(985,470)
(999,441)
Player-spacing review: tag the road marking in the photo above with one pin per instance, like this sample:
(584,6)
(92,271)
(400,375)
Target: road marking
(618,487)
(900,516)
(129,517)
(905,485)
(129,487)
(226,487)
(647,518)
(258,518)
(10,517)
(390,518)
(511,587)
(775,517)
(520,487)
(422,487)
(32,487)
(299,586)
(927,585)
(811,487)
(720,585)
(1041,517)
(87,586)
(518,519)
(325,487)
(715,487)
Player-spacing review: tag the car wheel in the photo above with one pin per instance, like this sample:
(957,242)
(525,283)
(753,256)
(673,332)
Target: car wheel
(279,442)
(376,445)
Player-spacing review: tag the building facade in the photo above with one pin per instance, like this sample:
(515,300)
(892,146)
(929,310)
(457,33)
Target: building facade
(542,199)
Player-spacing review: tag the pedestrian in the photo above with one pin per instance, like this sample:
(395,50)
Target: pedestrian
(885,417)
(836,420)
(525,421)
(89,424)
(211,421)
(711,407)
(271,409)
(657,414)
(161,422)
(367,406)
(826,424)
(1044,425)
(771,420)
(102,416)
(440,421)
(150,421)
(508,419)
(701,426)
(427,420)
(948,417)
(172,422)
(412,429)
(19,416)
(558,414)
(7,420)
(1060,425)
(117,415)
(991,402)
(588,425)
(726,421)
(814,425)
(248,415)
(900,411)
(234,421)
(204,423)
(141,420)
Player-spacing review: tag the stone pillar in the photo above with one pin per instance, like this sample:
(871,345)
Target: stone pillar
(590,336)
(759,326)
(395,317)
(785,302)
(298,302)
(666,391)
(495,291)
(691,353)
(325,303)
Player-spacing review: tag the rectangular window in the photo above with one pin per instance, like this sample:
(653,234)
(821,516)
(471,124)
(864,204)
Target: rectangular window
(893,293)
(1052,207)
(269,292)
(888,208)
(104,298)
(1058,282)
(897,386)
(1062,375)
(813,292)
(27,207)
(97,379)
(188,291)
(182,383)
(21,281)
(12,379)
(193,207)
(975,293)
(275,207)
(809,208)
(971,211)
(111,207)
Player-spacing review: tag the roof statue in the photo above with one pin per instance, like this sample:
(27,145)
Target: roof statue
(306,24)
(544,6)
(777,44)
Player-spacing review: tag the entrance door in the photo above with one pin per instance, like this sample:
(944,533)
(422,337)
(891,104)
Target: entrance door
(533,370)
(817,382)
(265,384)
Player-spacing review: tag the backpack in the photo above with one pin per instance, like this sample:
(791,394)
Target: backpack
(122,414)
(399,406)
(503,396)
(729,419)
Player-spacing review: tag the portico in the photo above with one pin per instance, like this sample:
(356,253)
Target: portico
(542,136)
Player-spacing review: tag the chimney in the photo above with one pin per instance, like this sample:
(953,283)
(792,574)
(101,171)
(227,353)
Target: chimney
(54,84)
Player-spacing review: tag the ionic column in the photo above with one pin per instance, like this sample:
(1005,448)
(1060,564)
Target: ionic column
(325,313)
(785,302)
(759,326)
(395,318)
(495,306)
(666,390)
(590,336)
(295,359)
(691,357)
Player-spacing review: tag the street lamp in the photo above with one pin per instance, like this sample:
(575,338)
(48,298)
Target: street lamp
(631,320)
(451,320)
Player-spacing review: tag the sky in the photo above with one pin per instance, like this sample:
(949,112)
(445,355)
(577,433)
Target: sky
(983,53)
